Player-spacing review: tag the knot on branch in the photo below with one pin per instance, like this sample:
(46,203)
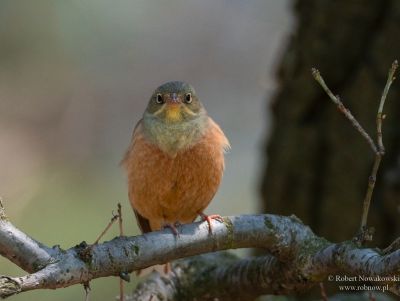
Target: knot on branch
(84,251)
(8,287)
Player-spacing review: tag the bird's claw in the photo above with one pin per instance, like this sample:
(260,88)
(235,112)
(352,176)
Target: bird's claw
(208,219)
(173,228)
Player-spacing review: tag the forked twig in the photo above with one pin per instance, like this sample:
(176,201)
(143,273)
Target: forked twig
(86,252)
(346,112)
(378,148)
(381,148)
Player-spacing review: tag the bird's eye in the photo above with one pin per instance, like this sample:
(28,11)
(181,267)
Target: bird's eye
(159,99)
(188,98)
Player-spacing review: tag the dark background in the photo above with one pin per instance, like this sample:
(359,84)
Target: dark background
(318,165)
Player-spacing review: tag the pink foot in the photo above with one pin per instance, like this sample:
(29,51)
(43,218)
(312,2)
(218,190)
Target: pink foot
(208,219)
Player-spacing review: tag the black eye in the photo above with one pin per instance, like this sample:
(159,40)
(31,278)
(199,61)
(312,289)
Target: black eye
(159,99)
(188,98)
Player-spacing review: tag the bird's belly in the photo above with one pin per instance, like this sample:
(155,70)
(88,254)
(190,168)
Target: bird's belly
(167,189)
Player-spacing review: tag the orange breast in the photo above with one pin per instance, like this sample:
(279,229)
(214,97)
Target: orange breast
(166,189)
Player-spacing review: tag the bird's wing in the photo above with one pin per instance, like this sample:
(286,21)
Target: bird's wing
(142,222)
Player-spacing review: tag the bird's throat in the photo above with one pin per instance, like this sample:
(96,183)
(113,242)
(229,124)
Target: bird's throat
(177,136)
(173,114)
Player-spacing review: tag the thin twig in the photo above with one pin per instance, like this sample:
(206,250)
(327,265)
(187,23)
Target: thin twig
(86,253)
(368,197)
(378,148)
(121,233)
(395,245)
(346,112)
(323,292)
(86,287)
(112,221)
(378,155)
(380,116)
(121,230)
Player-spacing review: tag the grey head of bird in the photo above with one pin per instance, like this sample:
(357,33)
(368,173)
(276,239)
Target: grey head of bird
(175,118)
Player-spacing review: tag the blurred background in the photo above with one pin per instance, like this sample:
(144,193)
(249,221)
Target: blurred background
(75,77)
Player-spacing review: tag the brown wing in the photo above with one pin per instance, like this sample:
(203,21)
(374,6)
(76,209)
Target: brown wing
(142,222)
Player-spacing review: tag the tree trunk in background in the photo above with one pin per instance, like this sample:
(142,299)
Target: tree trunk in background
(318,164)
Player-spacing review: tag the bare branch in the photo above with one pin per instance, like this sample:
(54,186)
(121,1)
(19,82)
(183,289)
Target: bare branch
(223,276)
(380,116)
(346,112)
(379,150)
(21,249)
(323,292)
(379,154)
(298,260)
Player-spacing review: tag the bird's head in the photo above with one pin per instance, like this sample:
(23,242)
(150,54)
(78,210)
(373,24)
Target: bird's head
(175,102)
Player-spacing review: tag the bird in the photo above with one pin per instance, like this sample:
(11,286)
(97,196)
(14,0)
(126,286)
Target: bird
(175,161)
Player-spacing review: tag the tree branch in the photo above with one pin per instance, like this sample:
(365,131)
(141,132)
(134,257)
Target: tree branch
(381,149)
(345,111)
(298,258)
(223,276)
(21,249)
(378,148)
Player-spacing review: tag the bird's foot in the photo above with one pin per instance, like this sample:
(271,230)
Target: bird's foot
(172,227)
(208,219)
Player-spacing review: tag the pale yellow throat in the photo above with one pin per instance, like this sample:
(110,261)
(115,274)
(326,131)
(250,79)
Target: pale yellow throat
(173,113)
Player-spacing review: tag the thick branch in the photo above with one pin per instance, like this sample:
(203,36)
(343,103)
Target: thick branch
(218,275)
(224,276)
(21,249)
(298,257)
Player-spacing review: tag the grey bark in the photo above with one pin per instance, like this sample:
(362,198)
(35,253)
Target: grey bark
(297,260)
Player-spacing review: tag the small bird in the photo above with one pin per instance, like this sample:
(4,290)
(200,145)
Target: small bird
(175,161)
